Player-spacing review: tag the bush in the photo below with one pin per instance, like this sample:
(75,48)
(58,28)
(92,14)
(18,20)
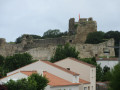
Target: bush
(33,82)
(95,37)
(17,61)
(64,52)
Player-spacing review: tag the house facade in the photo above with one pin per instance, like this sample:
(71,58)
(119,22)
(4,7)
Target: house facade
(109,62)
(86,71)
(59,76)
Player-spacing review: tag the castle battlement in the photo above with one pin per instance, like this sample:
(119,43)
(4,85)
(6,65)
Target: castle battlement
(82,28)
(85,19)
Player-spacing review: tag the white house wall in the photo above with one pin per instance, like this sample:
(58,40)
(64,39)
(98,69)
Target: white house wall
(108,63)
(86,72)
(72,87)
(41,66)
(16,76)
(74,66)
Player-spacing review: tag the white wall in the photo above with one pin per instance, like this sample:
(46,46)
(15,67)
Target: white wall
(86,72)
(109,63)
(75,87)
(16,76)
(40,66)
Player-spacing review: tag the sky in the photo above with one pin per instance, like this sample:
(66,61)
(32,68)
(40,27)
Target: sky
(19,17)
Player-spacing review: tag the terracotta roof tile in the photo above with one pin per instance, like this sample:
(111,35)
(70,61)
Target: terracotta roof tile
(28,73)
(83,81)
(23,66)
(9,75)
(68,71)
(78,61)
(57,81)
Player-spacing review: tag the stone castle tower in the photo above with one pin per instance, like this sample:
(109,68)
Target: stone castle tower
(81,28)
(45,48)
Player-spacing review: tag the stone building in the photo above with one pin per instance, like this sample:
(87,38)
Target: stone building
(81,28)
(45,48)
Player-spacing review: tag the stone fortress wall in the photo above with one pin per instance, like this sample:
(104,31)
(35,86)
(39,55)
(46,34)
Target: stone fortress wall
(45,48)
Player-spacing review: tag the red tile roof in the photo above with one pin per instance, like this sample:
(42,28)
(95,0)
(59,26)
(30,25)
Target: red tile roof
(68,71)
(57,81)
(78,61)
(28,73)
(83,81)
(23,66)
(9,75)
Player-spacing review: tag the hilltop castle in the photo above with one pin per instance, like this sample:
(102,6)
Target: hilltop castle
(81,28)
(45,48)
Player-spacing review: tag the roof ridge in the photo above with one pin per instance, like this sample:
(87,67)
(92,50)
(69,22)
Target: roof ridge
(23,66)
(28,71)
(61,84)
(71,72)
(77,61)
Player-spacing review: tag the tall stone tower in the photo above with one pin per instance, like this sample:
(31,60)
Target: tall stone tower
(82,28)
(72,26)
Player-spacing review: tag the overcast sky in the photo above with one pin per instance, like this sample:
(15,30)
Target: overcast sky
(19,17)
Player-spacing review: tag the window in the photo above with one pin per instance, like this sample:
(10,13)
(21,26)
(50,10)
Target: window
(85,88)
(88,87)
(70,41)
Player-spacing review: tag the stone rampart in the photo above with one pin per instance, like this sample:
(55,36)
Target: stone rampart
(86,50)
(45,48)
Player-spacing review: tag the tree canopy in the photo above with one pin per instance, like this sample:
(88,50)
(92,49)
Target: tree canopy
(95,37)
(64,52)
(54,33)
(19,39)
(17,61)
(114,77)
(51,33)
(116,36)
(1,60)
(33,82)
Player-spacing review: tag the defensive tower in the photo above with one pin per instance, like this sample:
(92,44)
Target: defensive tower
(81,28)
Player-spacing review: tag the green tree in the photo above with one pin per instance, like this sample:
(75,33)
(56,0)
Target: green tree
(89,60)
(95,37)
(19,39)
(106,69)
(64,52)
(22,84)
(1,60)
(41,81)
(116,36)
(33,82)
(99,73)
(114,77)
(17,61)
(52,33)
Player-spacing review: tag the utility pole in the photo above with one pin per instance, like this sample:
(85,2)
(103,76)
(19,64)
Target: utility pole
(119,52)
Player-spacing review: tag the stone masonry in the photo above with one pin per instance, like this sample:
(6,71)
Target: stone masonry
(45,48)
